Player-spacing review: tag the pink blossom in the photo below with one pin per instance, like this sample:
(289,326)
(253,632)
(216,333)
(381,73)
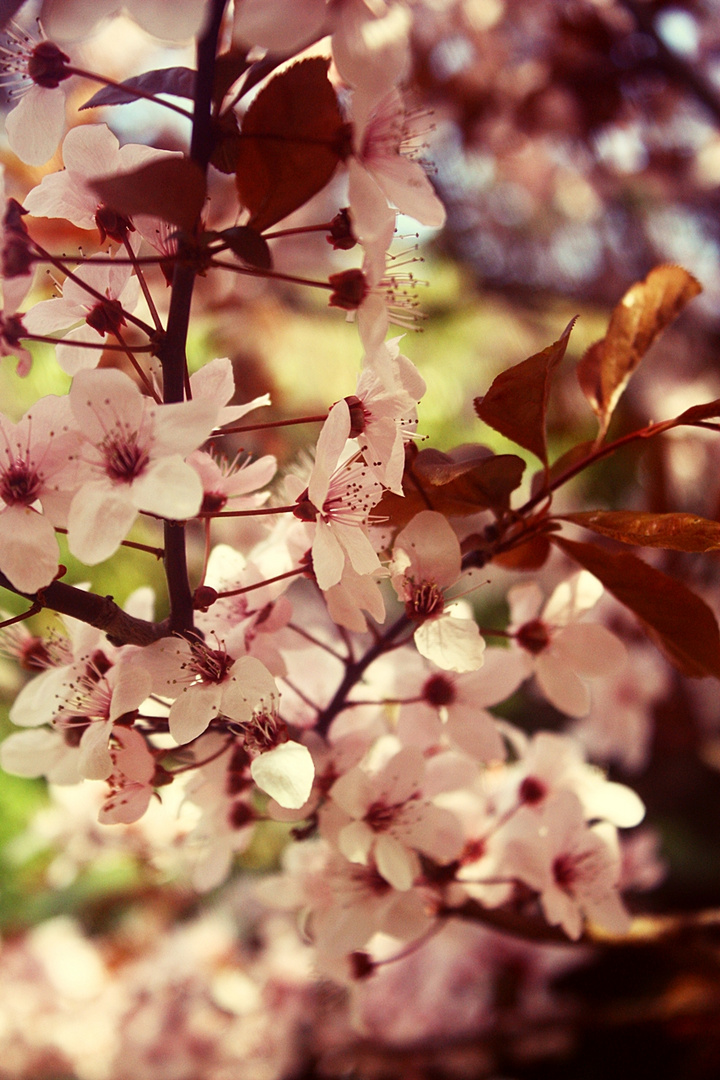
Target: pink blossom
(383,413)
(120,291)
(216,381)
(130,782)
(453,709)
(131,460)
(426,561)
(574,868)
(35,126)
(382,169)
(386,818)
(205,683)
(561,651)
(90,151)
(33,476)
(339,498)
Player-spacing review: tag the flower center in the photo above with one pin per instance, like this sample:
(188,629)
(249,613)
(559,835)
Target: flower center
(20,484)
(534,636)
(47,65)
(532,790)
(439,690)
(124,461)
(565,873)
(425,601)
(106,317)
(349,289)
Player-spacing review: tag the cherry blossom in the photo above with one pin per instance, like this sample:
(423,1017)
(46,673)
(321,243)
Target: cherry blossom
(223,480)
(339,497)
(130,460)
(247,622)
(383,413)
(89,152)
(561,651)
(34,474)
(120,291)
(130,782)
(387,818)
(453,707)
(378,294)
(82,700)
(36,124)
(574,868)
(205,683)
(215,381)
(426,561)
(381,168)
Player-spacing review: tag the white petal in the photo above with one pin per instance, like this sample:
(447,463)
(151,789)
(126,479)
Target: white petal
(453,644)
(285,773)
(35,125)
(170,488)
(99,519)
(28,548)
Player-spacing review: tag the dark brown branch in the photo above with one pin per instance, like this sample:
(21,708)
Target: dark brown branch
(99,611)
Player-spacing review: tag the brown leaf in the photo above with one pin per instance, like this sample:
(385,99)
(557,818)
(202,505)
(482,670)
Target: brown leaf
(171,188)
(292,138)
(709,411)
(679,622)
(528,556)
(460,483)
(675,532)
(567,461)
(516,403)
(645,310)
(176,81)
(468,479)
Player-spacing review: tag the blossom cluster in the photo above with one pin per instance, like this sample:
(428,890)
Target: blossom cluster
(278,689)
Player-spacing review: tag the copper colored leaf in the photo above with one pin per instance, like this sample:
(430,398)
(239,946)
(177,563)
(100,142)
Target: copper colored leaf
(710,410)
(171,188)
(678,621)
(229,66)
(468,479)
(644,312)
(676,532)
(516,403)
(528,556)
(248,245)
(292,139)
(177,81)
(566,463)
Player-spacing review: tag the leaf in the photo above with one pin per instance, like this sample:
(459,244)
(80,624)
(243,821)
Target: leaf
(676,532)
(248,245)
(474,479)
(292,138)
(645,310)
(459,483)
(171,188)
(567,461)
(516,403)
(528,556)
(229,66)
(709,411)
(678,621)
(178,81)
